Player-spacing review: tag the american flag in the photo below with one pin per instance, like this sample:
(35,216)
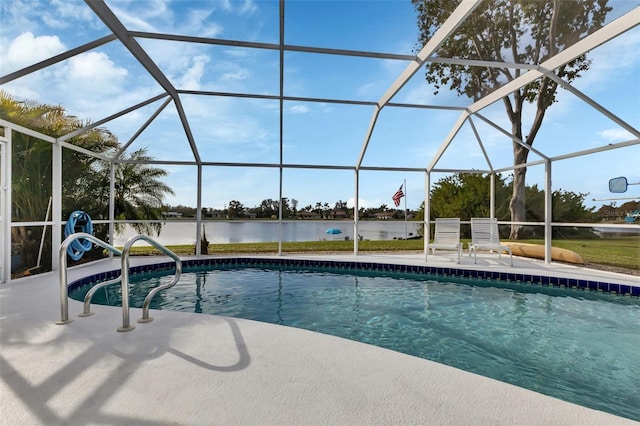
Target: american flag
(397,196)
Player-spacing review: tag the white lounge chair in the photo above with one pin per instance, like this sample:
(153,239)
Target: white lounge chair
(484,236)
(446,236)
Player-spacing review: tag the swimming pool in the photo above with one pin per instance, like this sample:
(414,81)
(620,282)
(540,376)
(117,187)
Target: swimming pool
(578,346)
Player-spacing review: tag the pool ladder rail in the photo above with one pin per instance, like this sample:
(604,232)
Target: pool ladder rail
(123,279)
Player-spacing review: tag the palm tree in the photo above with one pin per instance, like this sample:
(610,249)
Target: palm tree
(31,157)
(139,192)
(31,163)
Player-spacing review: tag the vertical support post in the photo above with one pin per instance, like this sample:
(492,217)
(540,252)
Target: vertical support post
(356,213)
(124,266)
(492,195)
(5,203)
(56,205)
(112,207)
(427,213)
(199,212)
(281,102)
(280,213)
(64,296)
(404,183)
(548,211)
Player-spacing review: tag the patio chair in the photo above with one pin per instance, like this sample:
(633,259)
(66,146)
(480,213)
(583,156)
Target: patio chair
(446,236)
(484,236)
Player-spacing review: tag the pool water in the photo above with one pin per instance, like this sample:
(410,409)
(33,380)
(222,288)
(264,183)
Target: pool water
(577,346)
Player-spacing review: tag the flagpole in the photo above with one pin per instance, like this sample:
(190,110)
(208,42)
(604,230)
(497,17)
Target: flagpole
(405,209)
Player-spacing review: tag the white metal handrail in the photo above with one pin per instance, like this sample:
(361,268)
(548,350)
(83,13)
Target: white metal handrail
(123,278)
(126,326)
(86,311)
(64,294)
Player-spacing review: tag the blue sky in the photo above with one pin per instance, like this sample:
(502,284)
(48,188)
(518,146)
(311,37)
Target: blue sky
(107,79)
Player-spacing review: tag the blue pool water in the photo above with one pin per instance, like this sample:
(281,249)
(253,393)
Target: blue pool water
(581,347)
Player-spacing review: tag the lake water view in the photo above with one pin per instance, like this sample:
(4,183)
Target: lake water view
(255,231)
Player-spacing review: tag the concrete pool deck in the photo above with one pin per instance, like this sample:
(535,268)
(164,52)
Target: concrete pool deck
(193,369)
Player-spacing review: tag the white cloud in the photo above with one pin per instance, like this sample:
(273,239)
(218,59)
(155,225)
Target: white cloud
(362,203)
(27,49)
(64,14)
(198,22)
(159,16)
(89,86)
(394,66)
(230,131)
(325,107)
(615,135)
(236,53)
(614,57)
(135,20)
(94,67)
(209,30)
(370,90)
(299,109)
(155,8)
(248,7)
(191,79)
(422,95)
(237,73)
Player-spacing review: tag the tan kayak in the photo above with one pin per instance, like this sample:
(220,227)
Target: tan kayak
(536,251)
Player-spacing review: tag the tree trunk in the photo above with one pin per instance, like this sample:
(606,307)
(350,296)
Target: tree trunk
(517,205)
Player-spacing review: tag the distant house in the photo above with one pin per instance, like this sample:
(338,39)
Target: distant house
(308,215)
(384,215)
(337,214)
(216,214)
(169,215)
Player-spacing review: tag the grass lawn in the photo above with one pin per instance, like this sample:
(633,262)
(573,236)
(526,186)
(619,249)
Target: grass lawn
(288,247)
(622,252)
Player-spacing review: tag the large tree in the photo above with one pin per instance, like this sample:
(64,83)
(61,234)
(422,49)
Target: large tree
(521,31)
(466,195)
(235,210)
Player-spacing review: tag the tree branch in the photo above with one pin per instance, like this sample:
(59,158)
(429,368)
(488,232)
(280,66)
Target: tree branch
(513,36)
(553,29)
